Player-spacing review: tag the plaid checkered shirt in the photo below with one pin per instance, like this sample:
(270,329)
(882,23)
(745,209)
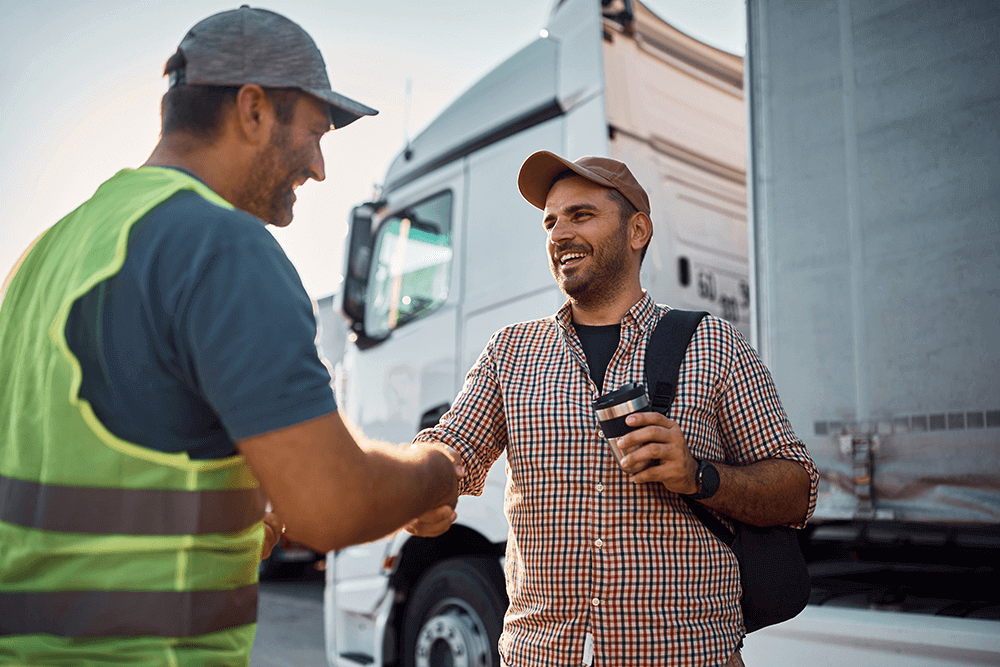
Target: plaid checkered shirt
(593,559)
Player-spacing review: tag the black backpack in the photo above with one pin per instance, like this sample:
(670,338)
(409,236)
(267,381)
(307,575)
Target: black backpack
(773,571)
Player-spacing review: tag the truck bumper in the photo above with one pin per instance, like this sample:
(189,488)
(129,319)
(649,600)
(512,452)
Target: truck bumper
(355,615)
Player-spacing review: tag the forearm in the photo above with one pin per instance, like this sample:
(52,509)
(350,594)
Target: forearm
(766,493)
(475,427)
(363,441)
(400,484)
(331,493)
(434,521)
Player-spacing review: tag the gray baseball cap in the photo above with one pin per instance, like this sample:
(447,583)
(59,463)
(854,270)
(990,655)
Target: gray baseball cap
(249,45)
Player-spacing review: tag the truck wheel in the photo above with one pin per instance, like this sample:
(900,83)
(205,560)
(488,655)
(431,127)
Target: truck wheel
(454,615)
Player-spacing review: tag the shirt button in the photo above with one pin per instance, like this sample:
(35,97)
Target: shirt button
(598,543)
(596,602)
(600,488)
(600,433)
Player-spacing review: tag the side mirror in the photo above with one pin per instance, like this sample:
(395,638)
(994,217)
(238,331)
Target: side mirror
(357,261)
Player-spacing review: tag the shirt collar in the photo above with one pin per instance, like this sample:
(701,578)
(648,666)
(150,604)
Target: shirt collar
(182,170)
(642,315)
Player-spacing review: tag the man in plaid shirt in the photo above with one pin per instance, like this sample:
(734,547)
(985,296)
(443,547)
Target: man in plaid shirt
(603,567)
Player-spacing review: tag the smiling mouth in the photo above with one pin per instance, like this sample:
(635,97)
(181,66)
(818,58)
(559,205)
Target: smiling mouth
(291,192)
(571,259)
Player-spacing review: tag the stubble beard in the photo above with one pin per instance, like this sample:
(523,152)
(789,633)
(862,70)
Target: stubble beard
(267,192)
(601,283)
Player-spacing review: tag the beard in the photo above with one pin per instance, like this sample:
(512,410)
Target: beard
(605,277)
(267,192)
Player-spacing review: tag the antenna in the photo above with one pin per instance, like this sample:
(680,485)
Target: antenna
(407,95)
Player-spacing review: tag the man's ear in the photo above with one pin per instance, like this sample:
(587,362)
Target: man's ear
(640,230)
(254,114)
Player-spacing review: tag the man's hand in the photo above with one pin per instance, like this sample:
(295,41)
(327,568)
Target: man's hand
(438,520)
(771,492)
(331,493)
(448,451)
(659,442)
(432,523)
(273,530)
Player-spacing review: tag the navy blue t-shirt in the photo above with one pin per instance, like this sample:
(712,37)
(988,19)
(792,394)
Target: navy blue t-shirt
(206,335)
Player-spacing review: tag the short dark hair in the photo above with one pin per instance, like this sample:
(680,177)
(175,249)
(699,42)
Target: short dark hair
(626,209)
(198,109)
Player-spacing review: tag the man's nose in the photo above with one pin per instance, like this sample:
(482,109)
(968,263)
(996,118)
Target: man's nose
(317,168)
(560,231)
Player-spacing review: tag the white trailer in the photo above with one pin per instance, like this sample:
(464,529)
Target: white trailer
(450,253)
(875,181)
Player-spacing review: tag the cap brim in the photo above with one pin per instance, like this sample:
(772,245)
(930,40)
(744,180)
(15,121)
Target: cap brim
(343,110)
(534,180)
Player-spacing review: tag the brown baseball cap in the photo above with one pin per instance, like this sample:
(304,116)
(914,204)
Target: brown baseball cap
(540,169)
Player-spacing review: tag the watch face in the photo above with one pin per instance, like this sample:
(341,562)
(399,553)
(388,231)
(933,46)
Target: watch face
(709,479)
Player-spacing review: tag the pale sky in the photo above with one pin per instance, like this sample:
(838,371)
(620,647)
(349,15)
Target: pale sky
(80,86)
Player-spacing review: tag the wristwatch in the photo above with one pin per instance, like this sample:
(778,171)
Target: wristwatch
(708,481)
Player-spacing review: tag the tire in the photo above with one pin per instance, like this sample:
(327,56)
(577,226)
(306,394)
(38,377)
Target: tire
(454,615)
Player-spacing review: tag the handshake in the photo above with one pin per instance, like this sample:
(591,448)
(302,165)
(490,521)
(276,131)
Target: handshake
(437,521)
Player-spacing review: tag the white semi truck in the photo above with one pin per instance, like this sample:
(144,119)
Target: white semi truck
(872,293)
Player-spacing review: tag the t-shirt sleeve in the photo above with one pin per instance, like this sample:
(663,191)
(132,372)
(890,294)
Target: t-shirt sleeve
(245,332)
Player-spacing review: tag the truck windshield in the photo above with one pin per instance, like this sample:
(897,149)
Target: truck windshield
(412,268)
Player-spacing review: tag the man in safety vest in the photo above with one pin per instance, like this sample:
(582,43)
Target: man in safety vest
(158,370)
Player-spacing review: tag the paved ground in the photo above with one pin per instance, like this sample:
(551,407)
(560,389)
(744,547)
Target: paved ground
(290,624)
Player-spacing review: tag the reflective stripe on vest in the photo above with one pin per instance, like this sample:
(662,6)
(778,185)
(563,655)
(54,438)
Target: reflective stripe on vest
(127,613)
(82,509)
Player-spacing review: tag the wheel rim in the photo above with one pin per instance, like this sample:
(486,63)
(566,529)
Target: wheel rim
(453,636)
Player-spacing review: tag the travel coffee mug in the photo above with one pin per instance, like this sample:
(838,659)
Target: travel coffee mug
(612,409)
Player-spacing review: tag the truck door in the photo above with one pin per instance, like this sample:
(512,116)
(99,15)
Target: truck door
(410,309)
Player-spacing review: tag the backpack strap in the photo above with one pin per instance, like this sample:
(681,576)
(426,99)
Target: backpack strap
(666,350)
(665,353)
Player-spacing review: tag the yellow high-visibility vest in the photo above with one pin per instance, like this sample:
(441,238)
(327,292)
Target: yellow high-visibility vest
(110,553)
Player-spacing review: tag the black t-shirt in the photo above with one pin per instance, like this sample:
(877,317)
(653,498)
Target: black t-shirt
(206,335)
(599,344)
